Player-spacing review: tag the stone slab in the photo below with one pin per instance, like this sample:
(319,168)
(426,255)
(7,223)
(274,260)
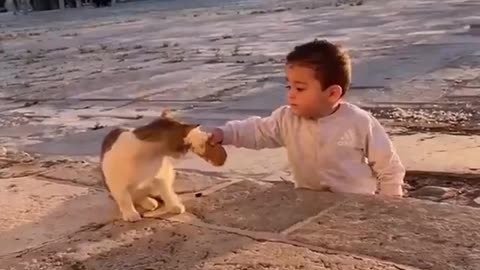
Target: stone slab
(86,143)
(406,231)
(261,206)
(78,172)
(418,152)
(439,152)
(79,144)
(168,246)
(426,152)
(88,174)
(122,54)
(192,182)
(269,255)
(35,212)
(244,162)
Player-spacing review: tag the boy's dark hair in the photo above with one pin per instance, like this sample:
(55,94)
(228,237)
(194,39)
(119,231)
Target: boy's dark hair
(331,63)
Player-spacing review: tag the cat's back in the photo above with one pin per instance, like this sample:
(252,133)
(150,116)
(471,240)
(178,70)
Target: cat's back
(123,150)
(111,139)
(119,155)
(127,160)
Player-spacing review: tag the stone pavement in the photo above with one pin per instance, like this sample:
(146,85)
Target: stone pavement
(91,68)
(243,225)
(67,77)
(56,215)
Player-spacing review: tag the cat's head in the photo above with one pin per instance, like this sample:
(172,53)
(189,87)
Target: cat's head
(178,138)
(168,132)
(199,142)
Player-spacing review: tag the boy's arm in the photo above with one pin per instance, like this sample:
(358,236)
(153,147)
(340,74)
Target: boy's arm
(255,132)
(384,160)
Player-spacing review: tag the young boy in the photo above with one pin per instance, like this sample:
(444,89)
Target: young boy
(331,144)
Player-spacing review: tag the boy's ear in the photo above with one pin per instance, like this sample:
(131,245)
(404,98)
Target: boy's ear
(335,91)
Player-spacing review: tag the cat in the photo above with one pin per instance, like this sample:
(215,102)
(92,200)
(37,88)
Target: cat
(136,164)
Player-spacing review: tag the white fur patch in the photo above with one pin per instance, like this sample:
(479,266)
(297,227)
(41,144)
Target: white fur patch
(134,171)
(198,140)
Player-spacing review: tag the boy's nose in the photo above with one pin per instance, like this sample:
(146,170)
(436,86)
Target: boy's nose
(291,95)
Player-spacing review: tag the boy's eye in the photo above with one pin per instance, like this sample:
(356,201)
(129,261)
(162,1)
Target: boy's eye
(296,88)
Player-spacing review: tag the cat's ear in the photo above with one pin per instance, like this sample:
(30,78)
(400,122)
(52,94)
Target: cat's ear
(167,113)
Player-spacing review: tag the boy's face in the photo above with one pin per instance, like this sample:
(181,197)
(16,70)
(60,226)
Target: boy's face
(306,96)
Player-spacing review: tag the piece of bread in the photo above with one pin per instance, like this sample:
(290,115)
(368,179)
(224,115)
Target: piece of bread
(215,154)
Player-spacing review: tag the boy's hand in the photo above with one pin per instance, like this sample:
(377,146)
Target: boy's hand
(216,137)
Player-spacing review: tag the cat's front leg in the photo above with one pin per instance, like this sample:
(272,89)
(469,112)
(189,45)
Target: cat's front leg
(125,203)
(163,188)
(172,202)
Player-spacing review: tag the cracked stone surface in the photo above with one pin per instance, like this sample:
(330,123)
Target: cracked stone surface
(410,232)
(261,206)
(35,212)
(66,221)
(283,256)
(166,245)
(327,231)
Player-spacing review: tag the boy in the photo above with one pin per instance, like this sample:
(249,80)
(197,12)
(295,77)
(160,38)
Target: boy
(331,144)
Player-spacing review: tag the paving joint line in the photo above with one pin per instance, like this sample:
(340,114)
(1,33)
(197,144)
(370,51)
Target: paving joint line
(190,219)
(309,220)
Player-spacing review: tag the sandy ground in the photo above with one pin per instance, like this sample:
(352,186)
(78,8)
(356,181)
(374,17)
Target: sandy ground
(69,76)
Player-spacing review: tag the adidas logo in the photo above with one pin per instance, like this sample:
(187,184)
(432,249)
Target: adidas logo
(347,139)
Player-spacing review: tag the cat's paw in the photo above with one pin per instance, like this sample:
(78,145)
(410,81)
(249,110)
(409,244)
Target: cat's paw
(177,209)
(156,213)
(131,216)
(149,204)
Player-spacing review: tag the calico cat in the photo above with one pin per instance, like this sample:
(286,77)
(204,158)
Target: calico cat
(137,169)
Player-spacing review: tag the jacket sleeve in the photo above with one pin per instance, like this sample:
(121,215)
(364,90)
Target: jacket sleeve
(256,132)
(384,160)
